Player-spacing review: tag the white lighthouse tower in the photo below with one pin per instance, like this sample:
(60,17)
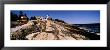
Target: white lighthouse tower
(47,17)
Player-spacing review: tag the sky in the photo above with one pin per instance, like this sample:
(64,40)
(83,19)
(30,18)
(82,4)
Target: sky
(69,16)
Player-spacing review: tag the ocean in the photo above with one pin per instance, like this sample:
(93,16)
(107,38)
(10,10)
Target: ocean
(92,28)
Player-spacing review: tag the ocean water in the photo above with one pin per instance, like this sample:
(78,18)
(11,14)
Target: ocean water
(92,28)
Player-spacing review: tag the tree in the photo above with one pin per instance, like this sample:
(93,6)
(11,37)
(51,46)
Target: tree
(59,20)
(21,14)
(26,16)
(33,18)
(14,17)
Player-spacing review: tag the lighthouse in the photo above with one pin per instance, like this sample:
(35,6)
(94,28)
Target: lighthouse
(47,17)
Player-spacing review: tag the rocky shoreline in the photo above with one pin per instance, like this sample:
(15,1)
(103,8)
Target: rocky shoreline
(50,30)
